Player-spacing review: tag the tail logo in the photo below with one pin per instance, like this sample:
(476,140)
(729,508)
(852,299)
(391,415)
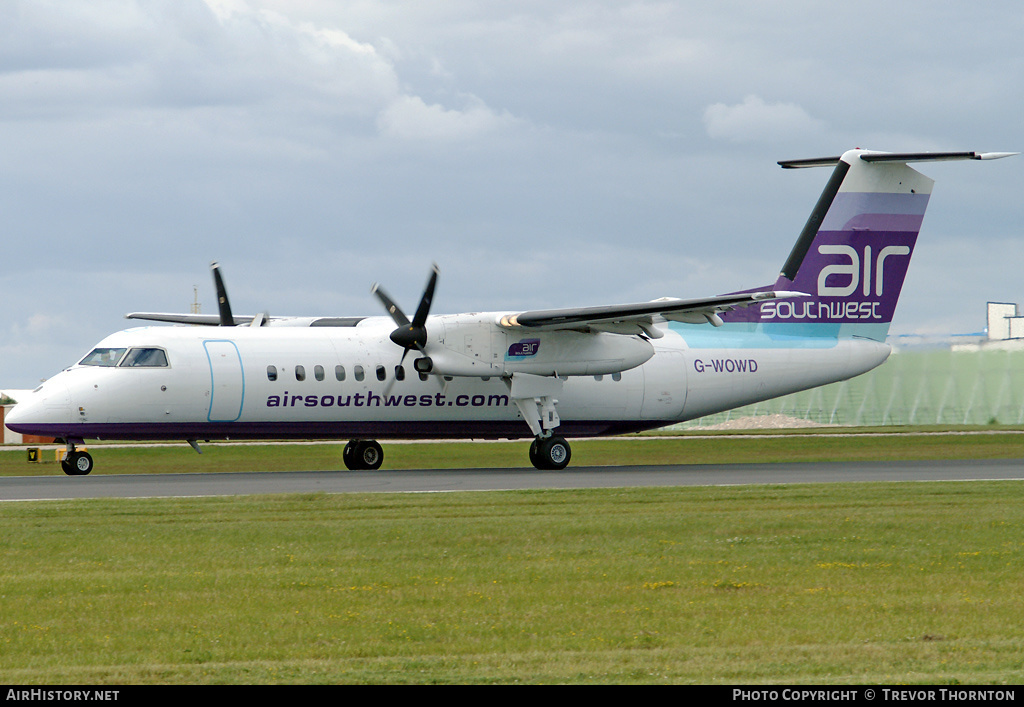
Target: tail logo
(851,276)
(853,270)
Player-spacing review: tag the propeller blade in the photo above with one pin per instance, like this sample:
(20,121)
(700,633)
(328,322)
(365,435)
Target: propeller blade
(412,334)
(226,318)
(423,310)
(393,309)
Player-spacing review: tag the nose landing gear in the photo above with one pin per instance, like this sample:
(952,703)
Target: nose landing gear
(76,463)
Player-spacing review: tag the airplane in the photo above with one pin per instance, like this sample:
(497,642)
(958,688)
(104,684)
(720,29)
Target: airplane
(546,374)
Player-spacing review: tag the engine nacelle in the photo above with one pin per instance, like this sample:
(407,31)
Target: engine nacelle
(475,345)
(571,353)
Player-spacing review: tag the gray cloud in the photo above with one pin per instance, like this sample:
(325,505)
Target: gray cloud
(542,153)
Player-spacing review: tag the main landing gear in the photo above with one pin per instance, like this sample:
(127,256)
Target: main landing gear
(76,463)
(535,398)
(362,454)
(550,453)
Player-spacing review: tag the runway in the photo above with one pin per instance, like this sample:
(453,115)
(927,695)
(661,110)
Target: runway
(26,488)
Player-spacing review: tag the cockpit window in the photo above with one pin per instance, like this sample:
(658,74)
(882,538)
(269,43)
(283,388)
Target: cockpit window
(102,357)
(145,358)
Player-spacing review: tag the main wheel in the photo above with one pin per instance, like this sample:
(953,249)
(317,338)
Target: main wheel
(362,454)
(370,455)
(348,455)
(537,462)
(77,464)
(551,454)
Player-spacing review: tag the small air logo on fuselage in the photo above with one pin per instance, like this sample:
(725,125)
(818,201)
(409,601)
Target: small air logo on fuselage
(524,348)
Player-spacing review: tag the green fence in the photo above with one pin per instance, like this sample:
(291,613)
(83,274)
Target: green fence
(914,387)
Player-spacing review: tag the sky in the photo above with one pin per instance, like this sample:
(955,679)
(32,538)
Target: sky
(543,154)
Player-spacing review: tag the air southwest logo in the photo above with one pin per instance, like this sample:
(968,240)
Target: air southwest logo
(524,348)
(866,273)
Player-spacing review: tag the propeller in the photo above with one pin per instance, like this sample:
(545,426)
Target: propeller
(410,335)
(226,318)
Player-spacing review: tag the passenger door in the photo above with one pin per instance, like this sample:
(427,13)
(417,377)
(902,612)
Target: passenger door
(227,385)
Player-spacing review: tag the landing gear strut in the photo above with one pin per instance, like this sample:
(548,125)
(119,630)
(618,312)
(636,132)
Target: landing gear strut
(550,453)
(362,454)
(76,463)
(535,398)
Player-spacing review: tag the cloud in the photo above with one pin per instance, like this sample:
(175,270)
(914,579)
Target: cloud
(290,139)
(411,118)
(753,120)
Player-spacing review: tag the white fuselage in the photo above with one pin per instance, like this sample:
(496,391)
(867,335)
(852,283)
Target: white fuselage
(340,382)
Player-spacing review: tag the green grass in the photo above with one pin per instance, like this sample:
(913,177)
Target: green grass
(871,583)
(852,583)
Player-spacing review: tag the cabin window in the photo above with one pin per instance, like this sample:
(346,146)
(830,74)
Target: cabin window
(300,373)
(145,358)
(358,372)
(399,373)
(271,373)
(382,372)
(102,357)
(339,372)
(318,372)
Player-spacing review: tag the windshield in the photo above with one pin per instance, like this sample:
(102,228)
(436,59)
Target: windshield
(102,357)
(145,358)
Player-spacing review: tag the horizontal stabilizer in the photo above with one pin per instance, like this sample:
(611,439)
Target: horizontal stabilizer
(901,157)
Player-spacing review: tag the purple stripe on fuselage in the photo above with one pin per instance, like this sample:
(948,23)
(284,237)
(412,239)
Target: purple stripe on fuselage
(511,429)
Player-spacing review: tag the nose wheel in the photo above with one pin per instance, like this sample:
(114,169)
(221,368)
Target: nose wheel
(550,453)
(76,463)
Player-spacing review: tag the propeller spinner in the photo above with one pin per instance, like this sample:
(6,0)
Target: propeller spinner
(410,335)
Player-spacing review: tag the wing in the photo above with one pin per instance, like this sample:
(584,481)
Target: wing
(245,320)
(198,319)
(641,317)
(225,317)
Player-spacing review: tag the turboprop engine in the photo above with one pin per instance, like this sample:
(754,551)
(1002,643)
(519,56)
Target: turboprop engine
(477,345)
(474,345)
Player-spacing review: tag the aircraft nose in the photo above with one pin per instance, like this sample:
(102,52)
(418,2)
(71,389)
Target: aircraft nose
(48,405)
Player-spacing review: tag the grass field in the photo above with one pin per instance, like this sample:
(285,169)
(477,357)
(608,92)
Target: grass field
(833,583)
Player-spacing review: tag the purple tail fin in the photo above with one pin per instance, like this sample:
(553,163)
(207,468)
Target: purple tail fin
(852,255)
